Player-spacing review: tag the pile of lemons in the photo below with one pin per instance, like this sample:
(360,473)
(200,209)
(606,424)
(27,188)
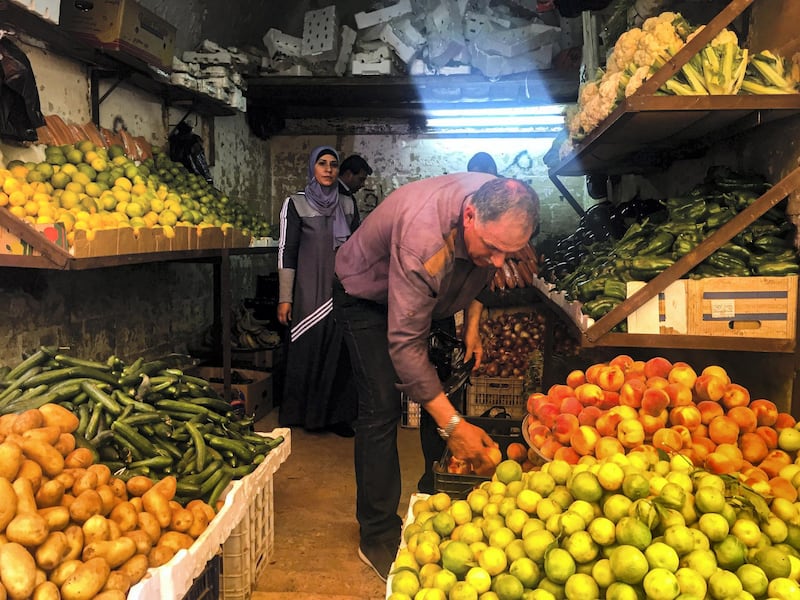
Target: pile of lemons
(86,187)
(627,527)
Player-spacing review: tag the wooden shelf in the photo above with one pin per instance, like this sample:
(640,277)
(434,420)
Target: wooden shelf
(649,132)
(16,19)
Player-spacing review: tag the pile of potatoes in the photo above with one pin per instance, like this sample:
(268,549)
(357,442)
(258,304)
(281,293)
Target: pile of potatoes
(68,528)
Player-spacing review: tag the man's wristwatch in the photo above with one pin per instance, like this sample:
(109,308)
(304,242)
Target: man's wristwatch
(446,431)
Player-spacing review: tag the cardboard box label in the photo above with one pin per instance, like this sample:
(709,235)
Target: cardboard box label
(11,244)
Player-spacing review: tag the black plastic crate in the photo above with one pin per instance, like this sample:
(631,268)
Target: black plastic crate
(502,430)
(206,585)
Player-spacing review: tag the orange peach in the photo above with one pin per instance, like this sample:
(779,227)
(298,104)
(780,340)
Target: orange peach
(589,394)
(623,361)
(648,450)
(718,372)
(589,415)
(593,371)
(783,488)
(754,474)
(657,367)
(547,414)
(567,454)
(784,420)
(565,426)
(679,394)
(733,452)
(705,442)
(769,435)
(538,435)
(608,446)
(744,417)
(654,401)
(610,400)
(701,431)
(735,395)
(584,440)
(656,382)
(667,440)
(625,412)
(610,378)
(631,392)
(571,406)
(630,433)
(635,371)
(766,411)
(779,456)
(517,451)
(754,448)
(686,435)
(607,423)
(719,463)
(699,453)
(709,387)
(709,410)
(688,416)
(575,378)
(683,373)
(772,467)
(534,401)
(723,430)
(559,391)
(762,487)
(548,449)
(652,423)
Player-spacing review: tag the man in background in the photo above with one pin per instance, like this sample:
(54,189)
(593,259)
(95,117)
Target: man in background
(353,172)
(482,162)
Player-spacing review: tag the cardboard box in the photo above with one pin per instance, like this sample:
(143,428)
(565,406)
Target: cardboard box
(122,26)
(760,307)
(209,237)
(265,358)
(256,394)
(11,244)
(665,313)
(102,242)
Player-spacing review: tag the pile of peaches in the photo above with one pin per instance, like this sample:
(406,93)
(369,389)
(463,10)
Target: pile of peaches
(627,405)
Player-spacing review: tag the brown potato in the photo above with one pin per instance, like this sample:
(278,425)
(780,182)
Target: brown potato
(95,529)
(149,525)
(8,503)
(87,504)
(49,458)
(87,580)
(55,414)
(137,503)
(60,574)
(136,567)
(141,539)
(74,535)
(87,481)
(65,444)
(31,471)
(115,552)
(125,515)
(167,486)
(7,423)
(119,488)
(26,502)
(28,529)
(113,530)
(157,505)
(117,580)
(182,520)
(48,435)
(107,497)
(210,512)
(29,419)
(10,460)
(199,521)
(17,570)
(138,485)
(111,595)
(160,555)
(176,540)
(56,517)
(67,478)
(49,493)
(102,472)
(52,551)
(47,590)
(79,458)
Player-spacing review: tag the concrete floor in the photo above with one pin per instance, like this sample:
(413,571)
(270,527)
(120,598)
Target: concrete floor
(316,533)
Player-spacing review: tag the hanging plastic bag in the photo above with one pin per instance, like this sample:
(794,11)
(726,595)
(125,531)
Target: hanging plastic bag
(187,148)
(20,111)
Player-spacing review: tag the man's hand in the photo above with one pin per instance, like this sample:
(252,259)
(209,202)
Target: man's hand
(472,335)
(284,312)
(469,442)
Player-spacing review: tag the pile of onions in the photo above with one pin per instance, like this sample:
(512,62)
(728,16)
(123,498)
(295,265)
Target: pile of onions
(508,341)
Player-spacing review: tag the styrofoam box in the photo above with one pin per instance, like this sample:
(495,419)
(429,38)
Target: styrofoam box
(47,9)
(173,579)
(384,15)
(665,313)
(321,34)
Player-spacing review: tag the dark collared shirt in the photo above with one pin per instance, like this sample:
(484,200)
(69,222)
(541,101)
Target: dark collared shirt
(410,255)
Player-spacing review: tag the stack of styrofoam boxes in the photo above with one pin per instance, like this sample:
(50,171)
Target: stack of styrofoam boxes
(497,52)
(219,72)
(383,34)
(250,545)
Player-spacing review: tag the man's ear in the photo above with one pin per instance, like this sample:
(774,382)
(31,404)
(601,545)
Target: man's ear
(469,215)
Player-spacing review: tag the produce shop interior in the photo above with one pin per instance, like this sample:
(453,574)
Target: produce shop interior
(178,419)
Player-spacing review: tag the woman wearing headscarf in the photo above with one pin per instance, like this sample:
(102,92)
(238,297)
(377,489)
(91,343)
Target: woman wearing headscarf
(313,224)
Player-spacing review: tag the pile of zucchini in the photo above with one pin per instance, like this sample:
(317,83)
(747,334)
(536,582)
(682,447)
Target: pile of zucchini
(142,418)
(765,248)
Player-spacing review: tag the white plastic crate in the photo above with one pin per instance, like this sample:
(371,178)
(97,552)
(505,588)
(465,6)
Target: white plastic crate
(321,34)
(411,412)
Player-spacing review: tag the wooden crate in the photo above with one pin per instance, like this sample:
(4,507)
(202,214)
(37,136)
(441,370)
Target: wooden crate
(664,313)
(758,307)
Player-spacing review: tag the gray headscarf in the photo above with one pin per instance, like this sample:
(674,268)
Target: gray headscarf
(325,198)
